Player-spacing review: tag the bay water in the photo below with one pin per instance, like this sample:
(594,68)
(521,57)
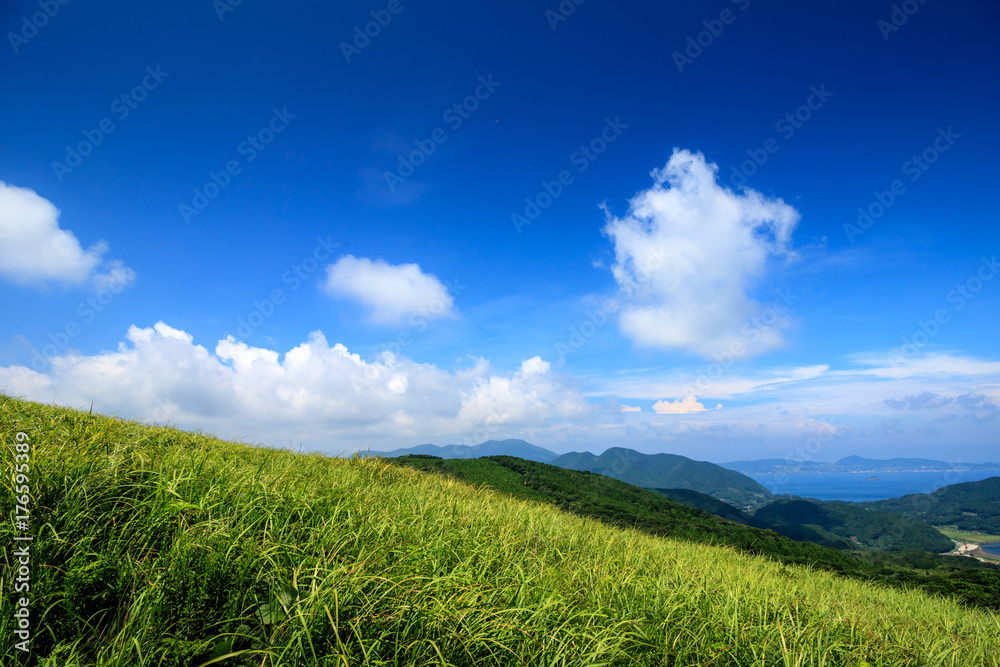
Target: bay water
(856,487)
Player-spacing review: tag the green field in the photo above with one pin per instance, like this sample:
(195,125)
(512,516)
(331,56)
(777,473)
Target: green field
(967,535)
(157,547)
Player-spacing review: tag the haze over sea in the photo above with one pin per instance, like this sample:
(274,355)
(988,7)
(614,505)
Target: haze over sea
(856,487)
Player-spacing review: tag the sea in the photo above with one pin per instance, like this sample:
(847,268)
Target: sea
(992,549)
(856,487)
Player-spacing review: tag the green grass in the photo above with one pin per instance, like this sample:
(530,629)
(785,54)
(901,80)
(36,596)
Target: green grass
(158,547)
(967,535)
(616,503)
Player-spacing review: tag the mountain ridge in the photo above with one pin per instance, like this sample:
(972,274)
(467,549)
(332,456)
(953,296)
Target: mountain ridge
(854,463)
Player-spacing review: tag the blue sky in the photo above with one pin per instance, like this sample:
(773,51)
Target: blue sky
(584,225)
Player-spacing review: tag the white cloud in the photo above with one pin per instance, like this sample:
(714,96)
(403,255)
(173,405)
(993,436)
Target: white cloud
(35,250)
(115,277)
(716,244)
(392,293)
(629,408)
(683,406)
(318,394)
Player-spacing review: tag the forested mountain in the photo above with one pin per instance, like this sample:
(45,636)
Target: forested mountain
(670,471)
(968,505)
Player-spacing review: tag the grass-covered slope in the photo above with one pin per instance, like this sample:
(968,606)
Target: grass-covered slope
(619,504)
(845,525)
(670,471)
(158,547)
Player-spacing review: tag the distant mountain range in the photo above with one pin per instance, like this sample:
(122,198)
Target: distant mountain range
(901,523)
(854,464)
(671,475)
(657,471)
(518,448)
(670,471)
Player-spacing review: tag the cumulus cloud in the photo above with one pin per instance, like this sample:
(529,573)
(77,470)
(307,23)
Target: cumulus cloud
(688,255)
(683,406)
(629,408)
(316,393)
(391,293)
(35,250)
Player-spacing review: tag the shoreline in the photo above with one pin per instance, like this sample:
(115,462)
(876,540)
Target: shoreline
(972,550)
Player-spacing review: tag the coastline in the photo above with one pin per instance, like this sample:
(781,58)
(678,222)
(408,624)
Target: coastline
(973,550)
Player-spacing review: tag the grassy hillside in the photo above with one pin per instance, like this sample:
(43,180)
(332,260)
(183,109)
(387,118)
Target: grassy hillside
(158,547)
(619,504)
(967,506)
(845,525)
(670,471)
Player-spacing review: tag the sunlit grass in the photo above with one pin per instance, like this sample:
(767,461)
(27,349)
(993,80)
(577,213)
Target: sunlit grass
(967,535)
(158,547)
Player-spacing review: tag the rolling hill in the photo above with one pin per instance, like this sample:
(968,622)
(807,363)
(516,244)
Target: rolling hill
(670,471)
(973,506)
(624,505)
(843,525)
(156,547)
(705,503)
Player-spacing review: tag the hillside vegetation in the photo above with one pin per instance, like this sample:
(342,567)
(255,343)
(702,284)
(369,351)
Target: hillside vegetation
(972,506)
(705,503)
(845,525)
(619,504)
(670,471)
(157,547)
